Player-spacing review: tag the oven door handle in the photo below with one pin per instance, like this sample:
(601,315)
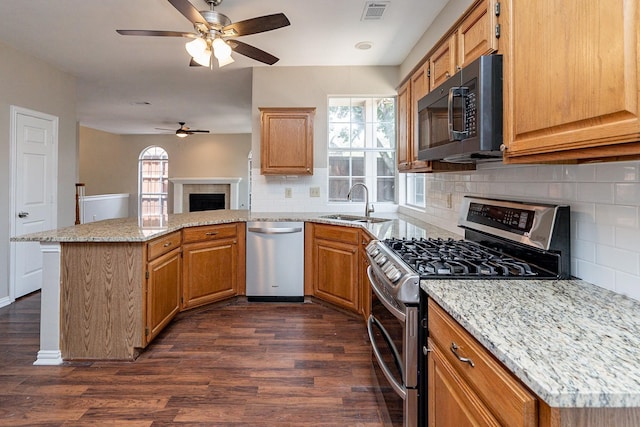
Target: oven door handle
(400,315)
(395,384)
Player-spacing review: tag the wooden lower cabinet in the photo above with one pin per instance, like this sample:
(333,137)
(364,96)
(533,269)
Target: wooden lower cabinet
(334,265)
(162,292)
(213,263)
(365,287)
(466,385)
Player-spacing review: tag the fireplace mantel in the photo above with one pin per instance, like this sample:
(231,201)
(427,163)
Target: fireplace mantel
(178,186)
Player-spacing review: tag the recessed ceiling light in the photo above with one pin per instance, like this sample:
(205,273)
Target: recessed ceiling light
(364,45)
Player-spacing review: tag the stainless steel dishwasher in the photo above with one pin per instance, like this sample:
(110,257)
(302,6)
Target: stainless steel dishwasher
(275,261)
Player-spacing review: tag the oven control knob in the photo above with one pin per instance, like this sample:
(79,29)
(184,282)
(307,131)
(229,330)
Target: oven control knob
(381,259)
(393,274)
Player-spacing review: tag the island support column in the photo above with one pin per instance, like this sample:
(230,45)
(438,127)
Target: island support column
(50,353)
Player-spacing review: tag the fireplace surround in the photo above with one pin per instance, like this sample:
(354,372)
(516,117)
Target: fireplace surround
(182,187)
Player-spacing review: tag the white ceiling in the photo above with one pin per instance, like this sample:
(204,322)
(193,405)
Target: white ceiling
(115,73)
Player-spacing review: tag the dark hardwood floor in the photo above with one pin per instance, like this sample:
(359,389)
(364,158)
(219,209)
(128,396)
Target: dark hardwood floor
(231,364)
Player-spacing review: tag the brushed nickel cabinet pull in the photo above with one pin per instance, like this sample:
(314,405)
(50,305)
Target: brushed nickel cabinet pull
(166,245)
(211,233)
(454,350)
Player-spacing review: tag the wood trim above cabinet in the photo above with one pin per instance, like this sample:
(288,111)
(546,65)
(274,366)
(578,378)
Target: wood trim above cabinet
(286,141)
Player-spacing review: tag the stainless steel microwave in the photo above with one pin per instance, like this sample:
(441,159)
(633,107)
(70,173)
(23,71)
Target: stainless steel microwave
(460,121)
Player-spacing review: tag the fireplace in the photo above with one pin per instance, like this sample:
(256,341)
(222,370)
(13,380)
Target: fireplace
(184,187)
(206,201)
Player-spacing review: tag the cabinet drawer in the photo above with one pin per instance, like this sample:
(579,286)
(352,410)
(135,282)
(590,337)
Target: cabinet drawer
(513,404)
(162,245)
(209,232)
(336,233)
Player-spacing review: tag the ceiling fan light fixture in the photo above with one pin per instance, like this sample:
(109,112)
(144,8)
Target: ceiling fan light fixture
(181,133)
(196,47)
(221,49)
(225,61)
(204,58)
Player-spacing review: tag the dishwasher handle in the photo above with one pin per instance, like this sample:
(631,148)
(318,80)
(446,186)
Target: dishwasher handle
(275,230)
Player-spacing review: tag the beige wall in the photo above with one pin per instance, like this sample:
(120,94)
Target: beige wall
(30,83)
(307,87)
(109,162)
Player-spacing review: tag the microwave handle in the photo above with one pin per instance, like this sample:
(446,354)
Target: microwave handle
(457,135)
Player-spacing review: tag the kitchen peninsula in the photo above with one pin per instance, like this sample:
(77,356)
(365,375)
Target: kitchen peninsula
(573,344)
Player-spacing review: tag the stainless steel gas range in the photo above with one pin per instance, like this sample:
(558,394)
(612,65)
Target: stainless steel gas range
(502,240)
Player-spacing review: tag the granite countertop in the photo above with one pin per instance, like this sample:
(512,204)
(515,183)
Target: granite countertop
(574,344)
(129,229)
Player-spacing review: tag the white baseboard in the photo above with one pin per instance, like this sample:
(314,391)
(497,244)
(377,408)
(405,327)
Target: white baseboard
(5,301)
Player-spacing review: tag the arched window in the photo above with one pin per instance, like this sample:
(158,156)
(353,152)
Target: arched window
(153,186)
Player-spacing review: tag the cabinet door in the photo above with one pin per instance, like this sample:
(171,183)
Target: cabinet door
(163,292)
(209,272)
(336,273)
(451,402)
(419,88)
(404,140)
(571,72)
(286,141)
(443,62)
(476,34)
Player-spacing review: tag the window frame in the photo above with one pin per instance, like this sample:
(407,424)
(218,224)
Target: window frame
(369,150)
(154,176)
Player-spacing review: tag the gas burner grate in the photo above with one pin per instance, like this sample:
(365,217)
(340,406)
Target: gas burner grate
(431,257)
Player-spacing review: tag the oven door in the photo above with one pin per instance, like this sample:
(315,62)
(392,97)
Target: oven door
(393,329)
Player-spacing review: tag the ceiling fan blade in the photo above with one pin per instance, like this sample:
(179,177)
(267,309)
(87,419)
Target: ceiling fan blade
(252,52)
(155,33)
(189,11)
(256,25)
(190,131)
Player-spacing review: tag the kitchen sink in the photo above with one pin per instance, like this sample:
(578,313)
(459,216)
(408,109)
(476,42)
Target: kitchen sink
(355,218)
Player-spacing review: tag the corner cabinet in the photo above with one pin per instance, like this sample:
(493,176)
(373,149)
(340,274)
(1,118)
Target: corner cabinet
(571,80)
(214,263)
(466,385)
(333,269)
(286,145)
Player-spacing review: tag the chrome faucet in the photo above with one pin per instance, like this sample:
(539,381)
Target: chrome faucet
(367,209)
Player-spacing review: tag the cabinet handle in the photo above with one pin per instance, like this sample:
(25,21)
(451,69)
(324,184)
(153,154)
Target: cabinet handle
(166,245)
(454,350)
(211,233)
(425,350)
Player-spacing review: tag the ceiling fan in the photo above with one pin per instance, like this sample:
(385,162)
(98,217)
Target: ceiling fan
(184,130)
(215,34)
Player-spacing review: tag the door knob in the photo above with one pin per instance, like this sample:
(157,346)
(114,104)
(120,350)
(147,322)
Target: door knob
(23,214)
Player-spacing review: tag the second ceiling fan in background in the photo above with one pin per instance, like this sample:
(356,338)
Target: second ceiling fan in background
(215,34)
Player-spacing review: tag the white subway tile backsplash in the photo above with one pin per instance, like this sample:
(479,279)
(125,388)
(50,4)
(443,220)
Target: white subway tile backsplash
(616,172)
(598,275)
(605,211)
(597,233)
(618,259)
(595,192)
(627,284)
(627,238)
(627,194)
(623,216)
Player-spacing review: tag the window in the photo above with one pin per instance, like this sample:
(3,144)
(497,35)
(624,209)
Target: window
(362,148)
(153,185)
(415,190)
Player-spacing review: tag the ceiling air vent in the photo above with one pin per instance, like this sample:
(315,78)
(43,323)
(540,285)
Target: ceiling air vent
(373,10)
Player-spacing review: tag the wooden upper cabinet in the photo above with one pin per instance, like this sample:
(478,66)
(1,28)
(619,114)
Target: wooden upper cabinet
(443,61)
(286,141)
(478,33)
(419,88)
(571,76)
(404,133)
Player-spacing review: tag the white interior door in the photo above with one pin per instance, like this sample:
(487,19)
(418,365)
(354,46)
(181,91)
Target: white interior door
(34,184)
